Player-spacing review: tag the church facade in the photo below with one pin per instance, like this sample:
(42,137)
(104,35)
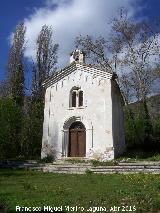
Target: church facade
(83,114)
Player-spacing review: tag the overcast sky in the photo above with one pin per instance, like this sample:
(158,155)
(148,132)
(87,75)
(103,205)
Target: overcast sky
(69,18)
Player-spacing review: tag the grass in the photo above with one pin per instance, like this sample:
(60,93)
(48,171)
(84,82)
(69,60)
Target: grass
(134,155)
(31,188)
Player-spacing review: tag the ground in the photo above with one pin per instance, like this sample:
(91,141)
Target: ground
(140,192)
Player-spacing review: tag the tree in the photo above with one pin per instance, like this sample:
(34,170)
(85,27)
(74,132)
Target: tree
(139,47)
(3,88)
(43,67)
(10,119)
(16,66)
(131,48)
(21,116)
(16,86)
(95,49)
(32,130)
(46,59)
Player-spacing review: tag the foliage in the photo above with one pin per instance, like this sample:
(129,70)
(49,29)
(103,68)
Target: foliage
(107,163)
(46,60)
(32,130)
(130,51)
(45,65)
(156,128)
(88,172)
(127,51)
(3,205)
(47,159)
(4,90)
(12,102)
(135,155)
(28,188)
(21,116)
(139,42)
(142,125)
(27,142)
(17,88)
(10,119)
(16,66)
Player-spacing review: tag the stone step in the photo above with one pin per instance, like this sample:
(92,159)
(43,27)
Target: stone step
(65,171)
(128,167)
(100,167)
(71,165)
(81,169)
(104,172)
(124,169)
(140,163)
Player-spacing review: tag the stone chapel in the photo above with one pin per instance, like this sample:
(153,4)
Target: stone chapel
(83,114)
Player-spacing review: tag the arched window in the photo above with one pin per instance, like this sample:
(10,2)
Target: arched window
(76,97)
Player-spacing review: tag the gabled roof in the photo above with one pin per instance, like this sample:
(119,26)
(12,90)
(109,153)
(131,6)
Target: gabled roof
(95,70)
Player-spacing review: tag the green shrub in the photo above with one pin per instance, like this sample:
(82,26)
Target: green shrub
(47,159)
(88,172)
(106,163)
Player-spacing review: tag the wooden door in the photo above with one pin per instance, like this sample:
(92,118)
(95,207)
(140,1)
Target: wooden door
(81,141)
(77,142)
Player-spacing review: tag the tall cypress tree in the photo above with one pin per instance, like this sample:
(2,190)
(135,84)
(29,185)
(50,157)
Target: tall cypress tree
(16,66)
(46,60)
(17,83)
(44,66)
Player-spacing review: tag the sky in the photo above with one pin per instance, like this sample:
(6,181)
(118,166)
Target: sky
(69,18)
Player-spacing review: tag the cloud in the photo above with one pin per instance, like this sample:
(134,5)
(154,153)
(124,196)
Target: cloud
(70,18)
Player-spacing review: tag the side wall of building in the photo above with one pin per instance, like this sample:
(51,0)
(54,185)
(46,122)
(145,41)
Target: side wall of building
(117,119)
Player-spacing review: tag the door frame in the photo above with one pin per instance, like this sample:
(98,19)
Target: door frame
(77,127)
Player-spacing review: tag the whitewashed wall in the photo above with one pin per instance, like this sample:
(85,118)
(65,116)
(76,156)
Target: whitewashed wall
(96,115)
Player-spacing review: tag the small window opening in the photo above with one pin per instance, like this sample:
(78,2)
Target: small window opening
(74,99)
(77,58)
(80,98)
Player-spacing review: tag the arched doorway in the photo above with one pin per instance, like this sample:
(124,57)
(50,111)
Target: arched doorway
(77,140)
